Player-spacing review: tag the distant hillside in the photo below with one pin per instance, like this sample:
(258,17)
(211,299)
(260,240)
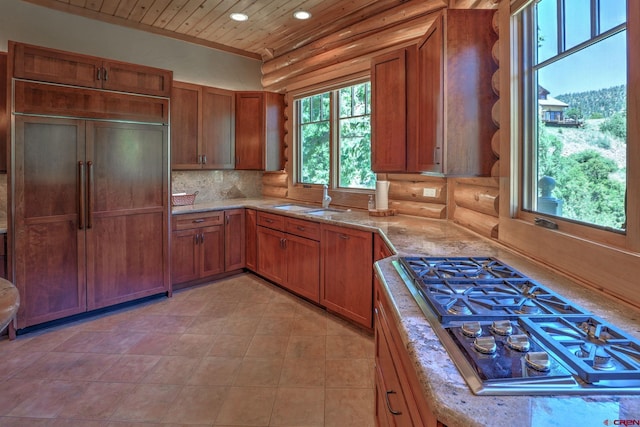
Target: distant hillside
(604,101)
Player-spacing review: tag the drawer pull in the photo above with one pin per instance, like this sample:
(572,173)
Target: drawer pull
(389,404)
(344,237)
(268,221)
(197,221)
(301,228)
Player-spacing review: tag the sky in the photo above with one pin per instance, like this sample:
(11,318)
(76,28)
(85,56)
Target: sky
(596,67)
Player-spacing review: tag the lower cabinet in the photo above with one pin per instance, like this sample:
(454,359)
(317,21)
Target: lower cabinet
(251,236)
(197,247)
(399,400)
(289,253)
(234,239)
(347,259)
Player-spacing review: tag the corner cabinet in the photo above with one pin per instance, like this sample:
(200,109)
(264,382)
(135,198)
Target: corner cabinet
(399,399)
(347,259)
(426,119)
(202,127)
(455,97)
(234,239)
(251,245)
(259,130)
(55,66)
(289,253)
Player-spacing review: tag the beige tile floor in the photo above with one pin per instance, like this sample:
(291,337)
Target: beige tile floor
(238,352)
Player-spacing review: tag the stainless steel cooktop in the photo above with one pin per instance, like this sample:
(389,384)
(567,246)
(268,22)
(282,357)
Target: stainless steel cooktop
(508,334)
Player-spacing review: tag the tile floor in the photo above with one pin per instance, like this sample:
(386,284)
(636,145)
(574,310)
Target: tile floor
(238,352)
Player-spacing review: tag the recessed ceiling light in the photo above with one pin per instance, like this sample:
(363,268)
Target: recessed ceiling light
(301,14)
(239,17)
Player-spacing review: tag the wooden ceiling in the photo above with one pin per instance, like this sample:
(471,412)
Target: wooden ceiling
(270,32)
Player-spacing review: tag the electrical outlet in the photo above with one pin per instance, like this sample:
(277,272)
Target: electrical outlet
(429,192)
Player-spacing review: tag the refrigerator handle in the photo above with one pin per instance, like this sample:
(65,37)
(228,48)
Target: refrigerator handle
(90,195)
(81,187)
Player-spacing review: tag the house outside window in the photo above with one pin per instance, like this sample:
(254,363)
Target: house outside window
(333,138)
(574,81)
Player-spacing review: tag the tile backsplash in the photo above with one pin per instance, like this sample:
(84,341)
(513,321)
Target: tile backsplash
(218,184)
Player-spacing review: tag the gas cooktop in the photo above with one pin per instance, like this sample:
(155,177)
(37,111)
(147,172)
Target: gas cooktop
(508,334)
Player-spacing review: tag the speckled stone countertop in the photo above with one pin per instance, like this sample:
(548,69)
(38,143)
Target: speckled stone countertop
(444,388)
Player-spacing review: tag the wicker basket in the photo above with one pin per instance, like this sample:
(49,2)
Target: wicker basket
(183,199)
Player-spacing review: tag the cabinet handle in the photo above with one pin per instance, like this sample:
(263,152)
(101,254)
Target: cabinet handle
(436,157)
(195,239)
(344,237)
(90,195)
(105,74)
(201,237)
(197,221)
(81,199)
(268,221)
(204,159)
(99,73)
(301,228)
(226,219)
(386,397)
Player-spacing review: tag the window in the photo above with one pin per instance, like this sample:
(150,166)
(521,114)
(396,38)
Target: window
(574,70)
(333,135)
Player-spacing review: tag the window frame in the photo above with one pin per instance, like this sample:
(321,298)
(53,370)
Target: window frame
(604,260)
(334,142)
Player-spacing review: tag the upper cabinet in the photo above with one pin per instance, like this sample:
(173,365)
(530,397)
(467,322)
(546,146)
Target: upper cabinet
(432,102)
(455,97)
(54,66)
(202,127)
(259,130)
(393,105)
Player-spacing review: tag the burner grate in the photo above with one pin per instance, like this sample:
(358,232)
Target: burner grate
(438,268)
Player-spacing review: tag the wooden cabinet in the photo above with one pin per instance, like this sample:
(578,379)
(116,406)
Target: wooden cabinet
(198,246)
(393,119)
(289,253)
(347,287)
(259,130)
(251,241)
(55,66)
(4,114)
(455,97)
(380,248)
(399,399)
(202,127)
(91,215)
(3,255)
(234,239)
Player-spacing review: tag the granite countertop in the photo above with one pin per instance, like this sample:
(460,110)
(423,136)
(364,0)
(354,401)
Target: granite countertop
(446,391)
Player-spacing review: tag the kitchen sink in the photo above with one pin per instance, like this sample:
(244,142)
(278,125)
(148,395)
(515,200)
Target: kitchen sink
(293,208)
(325,212)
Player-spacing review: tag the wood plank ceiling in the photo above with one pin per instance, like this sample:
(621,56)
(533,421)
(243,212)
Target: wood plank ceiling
(270,32)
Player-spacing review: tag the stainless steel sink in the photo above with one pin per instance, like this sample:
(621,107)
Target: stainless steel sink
(293,208)
(325,212)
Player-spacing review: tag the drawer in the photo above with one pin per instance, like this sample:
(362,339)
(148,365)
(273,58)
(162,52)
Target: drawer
(302,228)
(270,220)
(197,220)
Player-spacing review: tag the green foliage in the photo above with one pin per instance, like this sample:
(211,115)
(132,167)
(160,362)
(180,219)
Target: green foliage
(616,125)
(585,181)
(596,116)
(605,102)
(574,113)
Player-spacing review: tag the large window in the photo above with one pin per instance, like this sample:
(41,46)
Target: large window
(333,134)
(574,71)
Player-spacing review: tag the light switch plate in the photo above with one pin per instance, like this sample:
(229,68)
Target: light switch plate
(429,192)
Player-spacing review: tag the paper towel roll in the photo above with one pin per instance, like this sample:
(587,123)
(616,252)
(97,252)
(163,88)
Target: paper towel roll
(382,195)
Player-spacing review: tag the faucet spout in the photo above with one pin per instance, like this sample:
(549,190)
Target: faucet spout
(326,199)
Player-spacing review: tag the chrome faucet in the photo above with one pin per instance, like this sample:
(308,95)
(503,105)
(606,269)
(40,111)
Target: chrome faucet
(326,199)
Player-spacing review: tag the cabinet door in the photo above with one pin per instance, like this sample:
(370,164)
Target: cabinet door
(389,112)
(49,65)
(211,250)
(251,248)
(49,225)
(430,107)
(250,132)
(127,218)
(303,266)
(347,273)
(272,260)
(218,129)
(185,256)
(4,117)
(133,78)
(234,239)
(185,132)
